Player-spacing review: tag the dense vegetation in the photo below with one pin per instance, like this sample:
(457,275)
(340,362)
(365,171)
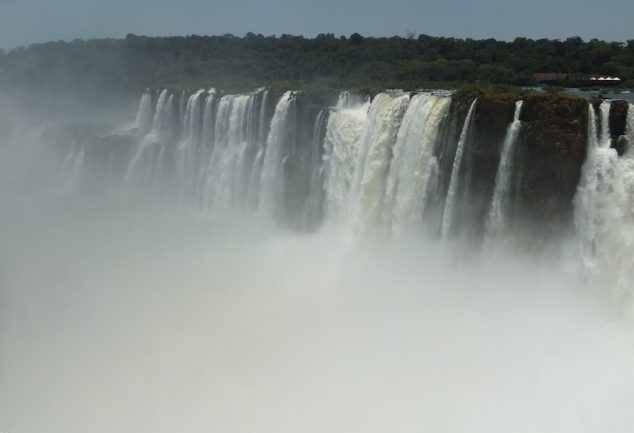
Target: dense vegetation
(326,61)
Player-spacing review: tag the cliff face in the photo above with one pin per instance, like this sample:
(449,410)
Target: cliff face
(551,154)
(492,117)
(547,158)
(618,124)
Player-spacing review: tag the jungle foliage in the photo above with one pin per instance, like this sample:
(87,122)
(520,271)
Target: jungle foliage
(287,61)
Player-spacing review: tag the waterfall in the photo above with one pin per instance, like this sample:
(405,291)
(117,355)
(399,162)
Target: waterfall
(206,143)
(363,164)
(239,257)
(414,166)
(447,218)
(313,207)
(187,148)
(593,204)
(498,212)
(604,214)
(629,130)
(224,173)
(72,167)
(144,114)
(348,99)
(162,128)
(341,145)
(271,179)
(209,118)
(256,167)
(604,138)
(183,99)
(375,151)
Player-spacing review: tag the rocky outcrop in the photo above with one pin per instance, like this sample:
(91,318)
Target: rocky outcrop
(551,154)
(491,119)
(548,158)
(618,124)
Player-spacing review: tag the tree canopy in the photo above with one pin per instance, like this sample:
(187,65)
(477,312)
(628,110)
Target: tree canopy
(138,62)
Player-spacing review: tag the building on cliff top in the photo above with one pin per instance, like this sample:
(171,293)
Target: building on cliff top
(574,80)
(550,77)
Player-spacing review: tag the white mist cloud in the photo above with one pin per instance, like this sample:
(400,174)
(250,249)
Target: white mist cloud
(156,320)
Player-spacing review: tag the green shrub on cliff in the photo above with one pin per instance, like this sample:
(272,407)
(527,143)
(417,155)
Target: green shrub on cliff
(553,89)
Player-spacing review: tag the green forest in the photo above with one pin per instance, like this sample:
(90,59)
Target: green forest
(325,61)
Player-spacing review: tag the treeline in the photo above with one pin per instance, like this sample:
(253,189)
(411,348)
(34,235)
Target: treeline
(231,62)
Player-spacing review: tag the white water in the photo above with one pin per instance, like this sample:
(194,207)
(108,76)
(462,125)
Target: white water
(271,184)
(498,214)
(145,114)
(448,214)
(604,211)
(314,201)
(188,146)
(120,321)
(72,167)
(161,325)
(604,133)
(260,148)
(629,128)
(224,182)
(140,166)
(341,148)
(414,167)
(371,169)
(208,118)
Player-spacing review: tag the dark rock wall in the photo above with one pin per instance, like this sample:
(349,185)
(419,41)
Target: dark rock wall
(493,116)
(551,154)
(548,157)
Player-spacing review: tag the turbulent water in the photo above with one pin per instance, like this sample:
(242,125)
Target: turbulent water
(604,214)
(450,201)
(289,262)
(498,213)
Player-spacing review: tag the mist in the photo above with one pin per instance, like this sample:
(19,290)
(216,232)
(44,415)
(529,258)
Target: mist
(132,311)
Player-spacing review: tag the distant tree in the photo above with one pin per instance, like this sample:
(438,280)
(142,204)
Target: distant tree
(611,68)
(356,38)
(138,62)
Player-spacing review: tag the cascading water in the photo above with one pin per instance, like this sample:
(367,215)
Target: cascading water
(140,167)
(208,320)
(362,167)
(604,215)
(448,213)
(414,166)
(271,179)
(313,207)
(188,147)
(206,143)
(348,99)
(498,214)
(260,148)
(209,117)
(375,151)
(341,147)
(366,162)
(604,133)
(144,114)
(224,176)
(72,167)
(593,201)
(629,128)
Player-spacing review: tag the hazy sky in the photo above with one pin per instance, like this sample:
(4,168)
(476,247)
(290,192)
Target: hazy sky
(26,21)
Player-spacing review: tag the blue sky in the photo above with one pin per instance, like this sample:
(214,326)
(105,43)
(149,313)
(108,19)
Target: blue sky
(27,21)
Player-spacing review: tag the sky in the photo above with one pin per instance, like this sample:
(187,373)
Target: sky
(28,21)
